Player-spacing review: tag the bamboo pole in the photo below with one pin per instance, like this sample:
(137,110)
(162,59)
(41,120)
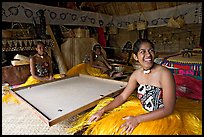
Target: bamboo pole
(57,54)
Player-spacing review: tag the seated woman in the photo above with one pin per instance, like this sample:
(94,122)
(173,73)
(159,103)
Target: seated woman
(41,70)
(127,53)
(41,67)
(95,64)
(154,110)
(98,60)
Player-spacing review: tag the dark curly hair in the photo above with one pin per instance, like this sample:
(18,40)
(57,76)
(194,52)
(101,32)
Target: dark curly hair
(138,44)
(40,42)
(127,47)
(96,46)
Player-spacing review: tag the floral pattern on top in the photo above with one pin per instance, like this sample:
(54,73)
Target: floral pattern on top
(42,69)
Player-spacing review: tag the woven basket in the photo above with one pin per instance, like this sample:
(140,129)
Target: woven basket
(176,23)
(180,21)
(142,25)
(132,26)
(172,23)
(113,30)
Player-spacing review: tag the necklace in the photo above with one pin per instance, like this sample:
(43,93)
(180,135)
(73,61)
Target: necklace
(147,71)
(41,56)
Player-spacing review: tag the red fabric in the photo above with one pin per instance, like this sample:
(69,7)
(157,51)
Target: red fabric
(182,66)
(101,37)
(189,87)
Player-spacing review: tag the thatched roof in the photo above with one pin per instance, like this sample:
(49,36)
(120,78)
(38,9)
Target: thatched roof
(124,8)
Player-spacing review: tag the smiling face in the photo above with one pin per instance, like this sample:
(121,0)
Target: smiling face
(40,48)
(145,54)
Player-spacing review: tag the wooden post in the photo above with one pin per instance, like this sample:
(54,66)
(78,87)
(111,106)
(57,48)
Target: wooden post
(57,54)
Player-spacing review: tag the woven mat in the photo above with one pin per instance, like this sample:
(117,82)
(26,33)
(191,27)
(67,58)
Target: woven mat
(19,120)
(197,59)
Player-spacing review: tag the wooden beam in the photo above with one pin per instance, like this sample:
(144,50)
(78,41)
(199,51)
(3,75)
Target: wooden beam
(57,54)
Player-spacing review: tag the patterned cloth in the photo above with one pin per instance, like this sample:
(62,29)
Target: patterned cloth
(150,97)
(42,69)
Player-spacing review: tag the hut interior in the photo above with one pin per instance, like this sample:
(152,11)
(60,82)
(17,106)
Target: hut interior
(78,25)
(169,25)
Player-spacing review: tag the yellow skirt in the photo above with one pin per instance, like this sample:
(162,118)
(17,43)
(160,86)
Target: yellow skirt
(185,120)
(86,69)
(31,80)
(9,98)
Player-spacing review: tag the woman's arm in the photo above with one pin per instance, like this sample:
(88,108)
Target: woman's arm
(132,84)
(92,61)
(50,67)
(99,64)
(91,57)
(105,62)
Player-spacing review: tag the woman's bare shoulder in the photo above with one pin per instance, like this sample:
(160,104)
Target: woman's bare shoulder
(162,69)
(164,72)
(33,57)
(136,73)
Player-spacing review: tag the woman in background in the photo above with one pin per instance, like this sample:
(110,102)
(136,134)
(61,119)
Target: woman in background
(41,67)
(126,54)
(125,57)
(98,60)
(95,64)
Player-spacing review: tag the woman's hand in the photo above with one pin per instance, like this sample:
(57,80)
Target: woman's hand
(104,69)
(110,67)
(51,78)
(131,123)
(96,116)
(48,78)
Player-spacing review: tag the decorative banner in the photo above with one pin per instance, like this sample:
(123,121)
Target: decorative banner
(25,12)
(21,45)
(191,12)
(28,12)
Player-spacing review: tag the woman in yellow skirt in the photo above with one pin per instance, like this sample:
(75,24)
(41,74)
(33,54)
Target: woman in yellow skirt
(41,67)
(95,65)
(154,110)
(41,70)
